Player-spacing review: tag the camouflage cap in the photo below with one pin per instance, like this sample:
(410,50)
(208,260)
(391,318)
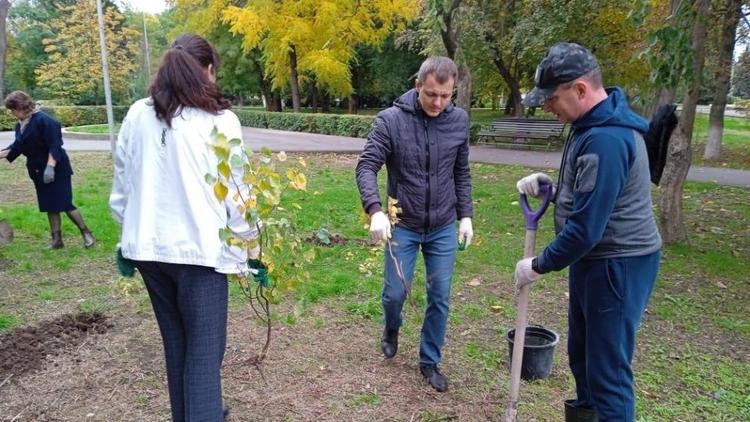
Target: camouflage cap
(564,62)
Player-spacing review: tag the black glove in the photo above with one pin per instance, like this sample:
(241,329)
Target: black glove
(49,174)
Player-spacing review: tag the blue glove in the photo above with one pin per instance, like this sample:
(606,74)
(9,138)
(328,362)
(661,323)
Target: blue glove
(49,174)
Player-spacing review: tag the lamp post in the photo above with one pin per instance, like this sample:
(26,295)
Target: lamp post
(105,74)
(147,53)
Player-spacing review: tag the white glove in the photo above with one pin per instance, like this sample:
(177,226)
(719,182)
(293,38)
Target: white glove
(529,185)
(524,274)
(465,231)
(380,227)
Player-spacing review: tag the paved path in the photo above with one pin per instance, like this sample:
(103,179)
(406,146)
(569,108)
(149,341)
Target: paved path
(308,142)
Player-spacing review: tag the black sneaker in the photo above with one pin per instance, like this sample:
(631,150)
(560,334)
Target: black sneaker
(389,343)
(437,380)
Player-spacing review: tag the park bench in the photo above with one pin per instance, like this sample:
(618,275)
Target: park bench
(524,133)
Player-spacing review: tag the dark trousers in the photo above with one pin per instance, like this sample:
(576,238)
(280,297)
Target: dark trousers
(190,303)
(607,299)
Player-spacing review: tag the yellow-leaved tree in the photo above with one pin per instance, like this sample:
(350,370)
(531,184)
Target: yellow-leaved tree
(316,37)
(74,68)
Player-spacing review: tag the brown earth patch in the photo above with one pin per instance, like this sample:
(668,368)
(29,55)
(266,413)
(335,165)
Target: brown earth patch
(27,348)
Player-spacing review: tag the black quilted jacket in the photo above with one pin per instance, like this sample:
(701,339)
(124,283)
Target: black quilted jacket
(427,161)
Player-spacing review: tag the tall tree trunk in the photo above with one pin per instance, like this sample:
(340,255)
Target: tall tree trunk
(353,105)
(293,79)
(679,153)
(325,102)
(514,106)
(4,7)
(723,73)
(266,85)
(508,105)
(275,101)
(463,88)
(314,97)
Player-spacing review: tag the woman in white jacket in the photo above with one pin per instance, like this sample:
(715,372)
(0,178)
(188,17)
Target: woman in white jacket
(171,219)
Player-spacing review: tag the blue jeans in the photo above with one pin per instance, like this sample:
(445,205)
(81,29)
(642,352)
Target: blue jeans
(607,299)
(439,252)
(190,303)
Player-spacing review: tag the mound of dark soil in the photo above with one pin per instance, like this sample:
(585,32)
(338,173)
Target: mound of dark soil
(26,349)
(328,240)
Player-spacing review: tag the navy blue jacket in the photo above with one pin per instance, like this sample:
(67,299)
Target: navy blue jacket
(41,137)
(603,207)
(427,161)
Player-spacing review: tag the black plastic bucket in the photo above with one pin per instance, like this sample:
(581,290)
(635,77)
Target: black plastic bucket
(539,346)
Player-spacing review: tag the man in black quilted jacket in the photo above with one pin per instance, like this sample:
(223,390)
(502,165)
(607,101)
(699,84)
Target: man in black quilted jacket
(423,140)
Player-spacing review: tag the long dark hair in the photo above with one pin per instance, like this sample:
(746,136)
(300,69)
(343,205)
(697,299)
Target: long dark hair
(182,80)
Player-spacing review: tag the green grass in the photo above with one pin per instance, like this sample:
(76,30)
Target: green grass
(692,359)
(7,321)
(93,128)
(736,129)
(735,145)
(362,400)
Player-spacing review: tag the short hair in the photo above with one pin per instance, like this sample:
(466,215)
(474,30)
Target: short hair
(19,100)
(594,77)
(442,68)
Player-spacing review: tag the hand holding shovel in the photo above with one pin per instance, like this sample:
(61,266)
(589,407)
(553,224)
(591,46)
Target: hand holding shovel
(532,220)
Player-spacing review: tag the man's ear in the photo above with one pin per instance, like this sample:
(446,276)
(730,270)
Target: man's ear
(581,89)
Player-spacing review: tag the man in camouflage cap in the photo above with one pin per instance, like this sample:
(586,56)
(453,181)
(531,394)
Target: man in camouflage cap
(605,226)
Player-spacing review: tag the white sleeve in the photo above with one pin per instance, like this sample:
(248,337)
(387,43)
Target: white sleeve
(118,198)
(235,219)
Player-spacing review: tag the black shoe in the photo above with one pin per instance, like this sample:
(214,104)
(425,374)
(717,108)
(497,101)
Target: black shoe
(88,238)
(579,414)
(389,343)
(56,242)
(434,377)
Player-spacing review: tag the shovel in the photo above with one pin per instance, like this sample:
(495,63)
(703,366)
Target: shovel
(532,220)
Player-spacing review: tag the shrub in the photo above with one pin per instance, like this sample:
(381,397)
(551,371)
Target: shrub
(327,124)
(69,115)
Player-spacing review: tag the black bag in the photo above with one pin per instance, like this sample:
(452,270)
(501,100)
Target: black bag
(657,139)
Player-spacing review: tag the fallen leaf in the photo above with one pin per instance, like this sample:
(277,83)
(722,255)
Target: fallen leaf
(496,309)
(475,282)
(721,285)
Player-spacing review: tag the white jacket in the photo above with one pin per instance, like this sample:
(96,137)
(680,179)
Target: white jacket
(167,210)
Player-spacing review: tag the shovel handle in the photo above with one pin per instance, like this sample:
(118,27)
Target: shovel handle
(533,216)
(519,338)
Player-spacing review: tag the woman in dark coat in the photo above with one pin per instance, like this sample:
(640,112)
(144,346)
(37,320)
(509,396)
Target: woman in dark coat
(39,138)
